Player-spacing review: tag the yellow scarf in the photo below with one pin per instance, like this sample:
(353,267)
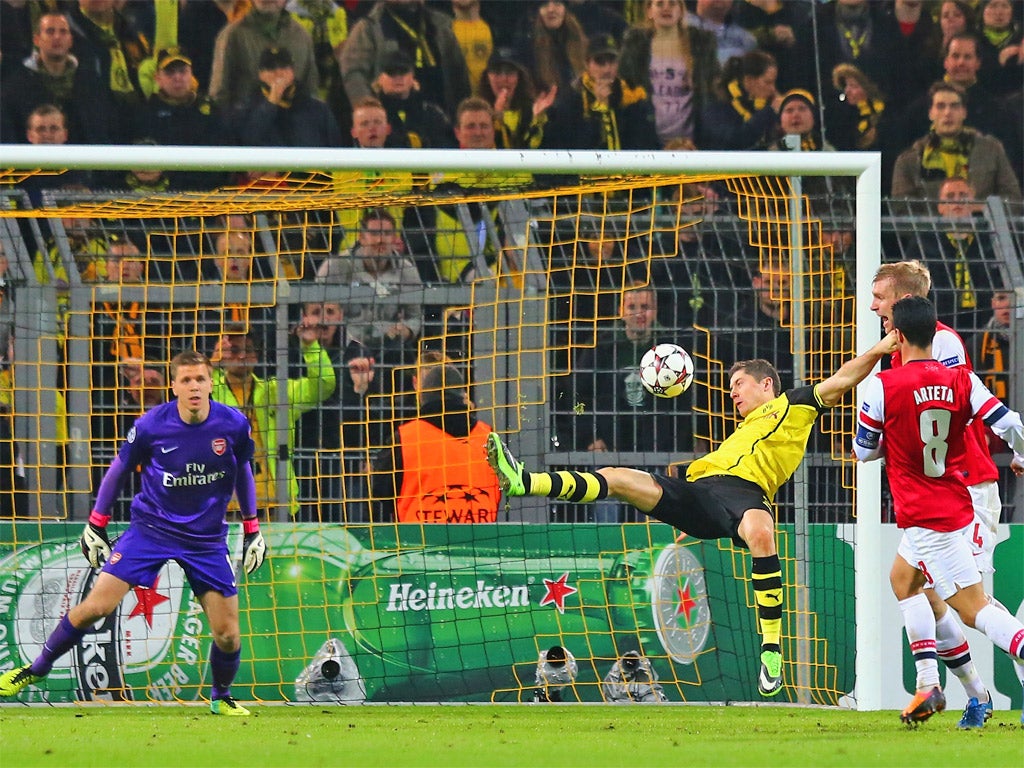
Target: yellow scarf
(424,56)
(136,185)
(286,98)
(742,103)
(856,42)
(947,157)
(870,111)
(609,122)
(120,80)
(962,281)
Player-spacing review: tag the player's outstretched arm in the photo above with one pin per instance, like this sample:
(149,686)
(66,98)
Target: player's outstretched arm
(853,372)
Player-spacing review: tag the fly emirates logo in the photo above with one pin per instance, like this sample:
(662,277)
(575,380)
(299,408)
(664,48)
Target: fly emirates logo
(195,474)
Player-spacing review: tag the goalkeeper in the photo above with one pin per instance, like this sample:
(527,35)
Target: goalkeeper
(194,454)
(728,492)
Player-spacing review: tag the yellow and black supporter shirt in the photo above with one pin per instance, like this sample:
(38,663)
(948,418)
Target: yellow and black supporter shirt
(768,445)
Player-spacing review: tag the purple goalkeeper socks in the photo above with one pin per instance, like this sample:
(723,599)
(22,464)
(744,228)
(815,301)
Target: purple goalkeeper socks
(223,668)
(61,640)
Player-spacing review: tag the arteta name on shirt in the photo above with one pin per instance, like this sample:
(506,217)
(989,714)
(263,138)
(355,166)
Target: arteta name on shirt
(933,393)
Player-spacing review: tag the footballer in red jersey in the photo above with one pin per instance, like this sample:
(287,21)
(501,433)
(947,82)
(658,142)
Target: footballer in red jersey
(916,416)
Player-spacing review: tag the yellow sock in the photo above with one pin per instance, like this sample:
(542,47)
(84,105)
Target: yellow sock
(578,487)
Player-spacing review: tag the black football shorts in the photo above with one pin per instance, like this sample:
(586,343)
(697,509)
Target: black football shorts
(709,507)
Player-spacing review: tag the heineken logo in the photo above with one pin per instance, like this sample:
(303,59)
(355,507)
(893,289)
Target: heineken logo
(405,596)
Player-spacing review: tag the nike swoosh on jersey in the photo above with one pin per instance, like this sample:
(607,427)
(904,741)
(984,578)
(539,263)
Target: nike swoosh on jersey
(168,450)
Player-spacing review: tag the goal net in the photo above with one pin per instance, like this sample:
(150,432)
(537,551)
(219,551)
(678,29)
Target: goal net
(539,279)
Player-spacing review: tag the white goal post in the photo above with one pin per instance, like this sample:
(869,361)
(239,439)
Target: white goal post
(870,562)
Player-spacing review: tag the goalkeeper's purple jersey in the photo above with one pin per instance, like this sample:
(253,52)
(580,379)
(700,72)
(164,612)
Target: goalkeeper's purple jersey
(188,470)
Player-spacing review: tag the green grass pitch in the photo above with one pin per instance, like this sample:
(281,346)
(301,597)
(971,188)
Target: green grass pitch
(502,735)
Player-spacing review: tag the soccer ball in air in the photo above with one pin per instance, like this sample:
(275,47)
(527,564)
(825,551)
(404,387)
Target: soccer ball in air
(666,370)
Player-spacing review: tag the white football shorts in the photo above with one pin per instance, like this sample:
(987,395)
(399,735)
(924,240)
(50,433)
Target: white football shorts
(944,557)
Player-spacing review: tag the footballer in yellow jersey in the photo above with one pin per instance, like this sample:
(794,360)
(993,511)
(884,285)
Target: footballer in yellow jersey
(768,445)
(727,493)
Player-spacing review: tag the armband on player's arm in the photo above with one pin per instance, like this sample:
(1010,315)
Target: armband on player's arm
(867,445)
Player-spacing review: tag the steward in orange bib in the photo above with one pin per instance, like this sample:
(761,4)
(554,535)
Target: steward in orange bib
(437,470)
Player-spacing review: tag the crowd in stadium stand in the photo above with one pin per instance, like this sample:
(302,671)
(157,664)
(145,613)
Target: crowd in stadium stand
(631,74)
(934,86)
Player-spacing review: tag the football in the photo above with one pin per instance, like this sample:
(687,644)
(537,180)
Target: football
(666,370)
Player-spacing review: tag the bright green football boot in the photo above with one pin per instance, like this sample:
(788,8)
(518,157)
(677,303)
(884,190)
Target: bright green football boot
(228,706)
(505,466)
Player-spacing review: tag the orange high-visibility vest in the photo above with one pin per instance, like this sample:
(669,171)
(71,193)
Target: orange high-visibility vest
(445,479)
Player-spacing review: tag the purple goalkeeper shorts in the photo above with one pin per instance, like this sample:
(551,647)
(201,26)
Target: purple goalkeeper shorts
(139,554)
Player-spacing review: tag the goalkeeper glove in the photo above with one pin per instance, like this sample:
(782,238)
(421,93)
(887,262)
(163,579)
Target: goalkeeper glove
(254,550)
(95,545)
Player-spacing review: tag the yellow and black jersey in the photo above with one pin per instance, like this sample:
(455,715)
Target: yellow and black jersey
(768,445)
